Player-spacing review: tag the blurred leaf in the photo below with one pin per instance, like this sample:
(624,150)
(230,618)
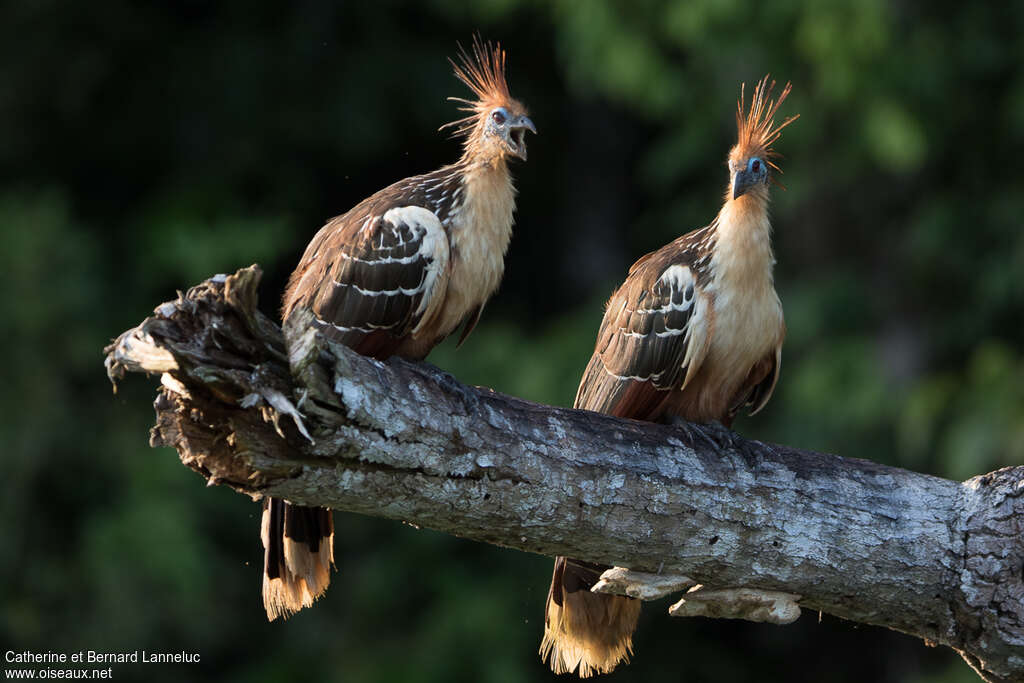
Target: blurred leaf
(896,139)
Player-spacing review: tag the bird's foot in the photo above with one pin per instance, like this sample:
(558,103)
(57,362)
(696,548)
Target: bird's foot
(715,435)
(761,445)
(749,450)
(467,395)
(725,438)
(718,437)
(695,433)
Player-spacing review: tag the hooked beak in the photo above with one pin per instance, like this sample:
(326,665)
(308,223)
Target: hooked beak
(741,182)
(517,136)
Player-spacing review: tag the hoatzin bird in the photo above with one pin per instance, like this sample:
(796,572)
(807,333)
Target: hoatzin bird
(695,332)
(395,275)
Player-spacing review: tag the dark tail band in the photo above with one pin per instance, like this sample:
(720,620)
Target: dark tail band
(298,547)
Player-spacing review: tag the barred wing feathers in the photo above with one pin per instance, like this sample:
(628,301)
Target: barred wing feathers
(376,275)
(652,339)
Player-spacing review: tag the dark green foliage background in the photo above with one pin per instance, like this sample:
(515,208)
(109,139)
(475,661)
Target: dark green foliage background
(148,145)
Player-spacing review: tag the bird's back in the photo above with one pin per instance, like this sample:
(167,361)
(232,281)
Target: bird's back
(649,324)
(363,276)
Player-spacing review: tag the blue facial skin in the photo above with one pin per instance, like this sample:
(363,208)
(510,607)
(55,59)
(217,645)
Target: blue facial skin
(755,172)
(511,131)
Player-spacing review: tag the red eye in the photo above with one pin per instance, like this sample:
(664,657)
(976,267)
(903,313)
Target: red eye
(498,117)
(756,166)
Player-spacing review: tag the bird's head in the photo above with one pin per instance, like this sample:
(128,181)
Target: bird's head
(752,159)
(497,124)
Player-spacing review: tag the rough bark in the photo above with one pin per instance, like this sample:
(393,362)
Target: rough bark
(762,527)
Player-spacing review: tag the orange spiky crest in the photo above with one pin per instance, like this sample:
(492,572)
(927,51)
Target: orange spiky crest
(484,73)
(756,128)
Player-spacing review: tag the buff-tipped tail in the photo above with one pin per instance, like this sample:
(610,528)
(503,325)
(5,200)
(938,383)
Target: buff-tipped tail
(298,546)
(589,633)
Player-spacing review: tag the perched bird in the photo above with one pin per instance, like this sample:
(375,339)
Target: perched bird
(395,275)
(694,332)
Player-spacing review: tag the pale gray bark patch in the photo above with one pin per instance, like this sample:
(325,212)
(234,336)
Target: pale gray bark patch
(856,539)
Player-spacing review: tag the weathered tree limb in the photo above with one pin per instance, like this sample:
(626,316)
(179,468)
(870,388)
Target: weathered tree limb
(761,527)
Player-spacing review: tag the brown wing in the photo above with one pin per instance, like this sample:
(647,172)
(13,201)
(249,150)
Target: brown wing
(652,338)
(372,280)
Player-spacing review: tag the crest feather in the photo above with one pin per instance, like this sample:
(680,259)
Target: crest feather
(757,129)
(484,73)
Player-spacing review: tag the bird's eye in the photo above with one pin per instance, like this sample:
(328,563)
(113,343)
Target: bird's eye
(498,116)
(755,165)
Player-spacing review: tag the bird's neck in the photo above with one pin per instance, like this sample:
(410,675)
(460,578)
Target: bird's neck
(488,200)
(743,250)
(477,163)
(477,152)
(479,230)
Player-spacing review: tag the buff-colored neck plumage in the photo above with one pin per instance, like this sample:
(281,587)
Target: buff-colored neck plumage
(743,255)
(743,252)
(481,230)
(745,318)
(480,224)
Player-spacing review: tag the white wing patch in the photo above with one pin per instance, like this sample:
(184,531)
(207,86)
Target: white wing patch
(434,248)
(677,276)
(679,279)
(683,313)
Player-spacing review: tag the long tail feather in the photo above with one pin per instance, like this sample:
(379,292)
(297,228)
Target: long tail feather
(590,633)
(298,547)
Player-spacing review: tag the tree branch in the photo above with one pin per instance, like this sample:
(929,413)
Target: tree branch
(761,527)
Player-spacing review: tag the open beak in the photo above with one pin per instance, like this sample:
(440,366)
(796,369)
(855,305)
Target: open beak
(517,136)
